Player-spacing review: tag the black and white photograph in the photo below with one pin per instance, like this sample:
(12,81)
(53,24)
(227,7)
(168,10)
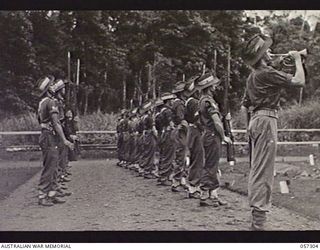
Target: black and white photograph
(159,120)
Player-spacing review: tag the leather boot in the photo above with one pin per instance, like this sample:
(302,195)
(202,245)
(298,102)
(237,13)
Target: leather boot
(214,195)
(45,202)
(258,220)
(206,201)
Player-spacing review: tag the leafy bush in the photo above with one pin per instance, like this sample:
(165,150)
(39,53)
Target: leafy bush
(25,122)
(29,122)
(98,121)
(306,116)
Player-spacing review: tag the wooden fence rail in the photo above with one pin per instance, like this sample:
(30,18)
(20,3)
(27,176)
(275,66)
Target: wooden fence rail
(17,148)
(237,131)
(21,148)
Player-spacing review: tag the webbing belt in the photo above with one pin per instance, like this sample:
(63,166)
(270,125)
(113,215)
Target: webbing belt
(267,112)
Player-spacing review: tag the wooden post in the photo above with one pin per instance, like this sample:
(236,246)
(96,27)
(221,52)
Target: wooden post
(215,62)
(78,72)
(229,65)
(300,36)
(69,66)
(300,96)
(131,104)
(75,107)
(183,77)
(124,93)
(303,23)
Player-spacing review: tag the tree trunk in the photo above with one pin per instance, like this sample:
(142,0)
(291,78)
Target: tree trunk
(86,97)
(99,100)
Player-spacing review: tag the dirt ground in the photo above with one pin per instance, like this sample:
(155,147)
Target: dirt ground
(107,197)
(302,179)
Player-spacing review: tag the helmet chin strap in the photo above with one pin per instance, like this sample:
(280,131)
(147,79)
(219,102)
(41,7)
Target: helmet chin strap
(50,92)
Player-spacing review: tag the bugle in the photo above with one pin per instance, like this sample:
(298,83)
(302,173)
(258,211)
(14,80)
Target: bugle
(303,52)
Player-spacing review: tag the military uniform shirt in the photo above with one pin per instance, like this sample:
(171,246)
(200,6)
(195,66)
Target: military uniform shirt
(208,107)
(125,125)
(131,126)
(166,116)
(61,111)
(178,111)
(147,122)
(140,125)
(158,122)
(191,112)
(118,128)
(47,107)
(263,88)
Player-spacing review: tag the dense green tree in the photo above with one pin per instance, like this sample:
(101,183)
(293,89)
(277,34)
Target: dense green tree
(17,61)
(143,52)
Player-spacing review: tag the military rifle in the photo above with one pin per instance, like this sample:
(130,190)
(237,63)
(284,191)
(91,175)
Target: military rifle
(227,115)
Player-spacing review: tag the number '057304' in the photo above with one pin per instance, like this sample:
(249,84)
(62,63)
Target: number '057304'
(311,246)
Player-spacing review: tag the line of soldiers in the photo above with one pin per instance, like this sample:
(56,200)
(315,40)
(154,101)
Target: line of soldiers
(177,139)
(57,141)
(187,131)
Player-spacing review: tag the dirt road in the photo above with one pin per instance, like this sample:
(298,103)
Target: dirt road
(106,197)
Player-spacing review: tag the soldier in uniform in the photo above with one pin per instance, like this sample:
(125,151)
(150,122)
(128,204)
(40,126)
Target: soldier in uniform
(63,149)
(213,135)
(51,135)
(139,143)
(167,142)
(195,150)
(180,135)
(149,142)
(71,127)
(157,131)
(262,95)
(134,128)
(120,141)
(126,137)
(131,140)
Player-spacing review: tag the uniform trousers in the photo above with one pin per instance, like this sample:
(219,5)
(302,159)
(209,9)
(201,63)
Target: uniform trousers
(167,148)
(212,151)
(139,145)
(133,148)
(126,146)
(263,144)
(120,147)
(130,148)
(63,159)
(49,144)
(179,168)
(149,149)
(196,151)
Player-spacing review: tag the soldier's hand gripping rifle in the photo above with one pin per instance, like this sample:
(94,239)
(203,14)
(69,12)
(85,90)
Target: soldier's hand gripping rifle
(226,120)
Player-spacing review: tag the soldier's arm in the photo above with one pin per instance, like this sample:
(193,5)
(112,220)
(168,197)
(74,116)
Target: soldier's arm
(57,127)
(245,104)
(180,113)
(218,125)
(298,79)
(282,79)
(244,114)
(168,117)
